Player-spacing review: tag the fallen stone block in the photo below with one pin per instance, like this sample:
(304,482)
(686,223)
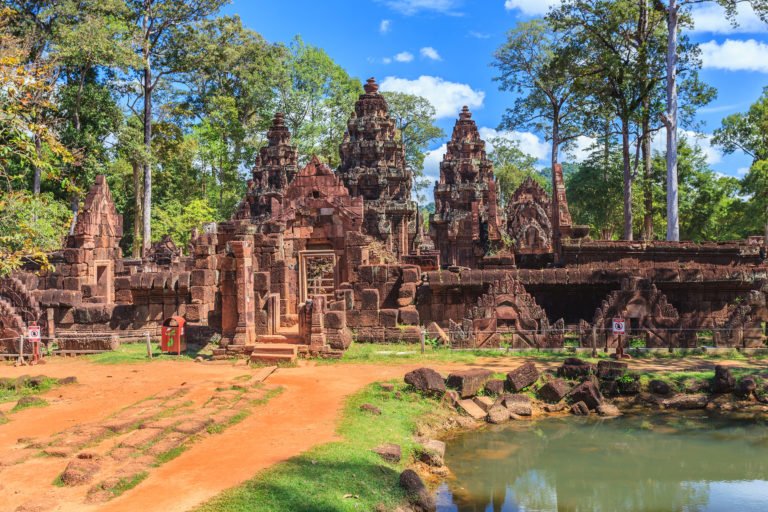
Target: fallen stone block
(389,452)
(426,380)
(554,391)
(685,402)
(468,382)
(484,402)
(580,409)
(471,408)
(522,377)
(588,393)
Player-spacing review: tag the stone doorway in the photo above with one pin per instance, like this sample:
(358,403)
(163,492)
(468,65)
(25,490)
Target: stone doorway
(318,274)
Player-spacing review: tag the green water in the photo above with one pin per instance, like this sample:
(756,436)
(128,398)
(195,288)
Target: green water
(689,462)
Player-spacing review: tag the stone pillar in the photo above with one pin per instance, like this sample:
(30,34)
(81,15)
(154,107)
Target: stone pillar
(245,332)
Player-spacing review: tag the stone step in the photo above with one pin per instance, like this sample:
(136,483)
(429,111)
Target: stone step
(293,339)
(275,348)
(271,358)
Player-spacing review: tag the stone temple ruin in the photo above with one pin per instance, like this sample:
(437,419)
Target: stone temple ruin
(316,257)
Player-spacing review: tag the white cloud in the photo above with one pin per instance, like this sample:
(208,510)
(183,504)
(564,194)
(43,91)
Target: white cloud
(429,53)
(411,7)
(530,143)
(404,57)
(385,26)
(711,18)
(742,171)
(735,55)
(446,97)
(531,7)
(386,60)
(702,140)
(432,161)
(479,35)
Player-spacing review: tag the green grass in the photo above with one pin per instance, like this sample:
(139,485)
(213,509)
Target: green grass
(37,403)
(125,484)
(11,395)
(130,353)
(171,454)
(318,479)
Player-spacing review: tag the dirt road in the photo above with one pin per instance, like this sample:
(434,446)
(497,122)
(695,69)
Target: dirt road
(303,415)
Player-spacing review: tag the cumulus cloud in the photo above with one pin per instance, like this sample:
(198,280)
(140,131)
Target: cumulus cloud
(447,97)
(404,57)
(411,7)
(430,53)
(530,143)
(386,60)
(385,26)
(703,140)
(742,171)
(735,55)
(432,161)
(711,18)
(531,7)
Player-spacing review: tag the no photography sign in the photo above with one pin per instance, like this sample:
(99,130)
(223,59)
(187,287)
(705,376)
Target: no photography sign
(619,326)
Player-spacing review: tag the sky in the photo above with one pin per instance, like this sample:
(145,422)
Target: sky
(442,50)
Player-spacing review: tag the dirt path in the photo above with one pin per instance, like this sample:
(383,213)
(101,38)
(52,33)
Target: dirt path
(303,415)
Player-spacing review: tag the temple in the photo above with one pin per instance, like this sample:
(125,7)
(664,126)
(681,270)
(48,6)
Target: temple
(316,257)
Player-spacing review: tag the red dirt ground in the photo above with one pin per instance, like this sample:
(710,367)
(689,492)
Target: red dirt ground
(304,415)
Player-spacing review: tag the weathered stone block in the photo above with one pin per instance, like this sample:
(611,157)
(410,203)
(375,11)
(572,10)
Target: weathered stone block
(425,380)
(408,316)
(369,299)
(468,382)
(522,377)
(588,393)
(554,391)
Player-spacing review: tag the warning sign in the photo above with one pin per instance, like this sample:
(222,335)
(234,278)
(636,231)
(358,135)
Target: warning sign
(33,333)
(619,326)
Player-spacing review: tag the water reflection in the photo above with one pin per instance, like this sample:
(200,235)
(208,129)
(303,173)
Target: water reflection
(690,462)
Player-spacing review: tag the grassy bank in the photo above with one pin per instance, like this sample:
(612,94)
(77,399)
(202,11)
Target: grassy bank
(132,353)
(12,390)
(344,475)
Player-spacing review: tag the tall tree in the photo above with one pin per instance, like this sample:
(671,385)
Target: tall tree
(670,118)
(157,20)
(316,95)
(512,167)
(748,132)
(415,120)
(538,64)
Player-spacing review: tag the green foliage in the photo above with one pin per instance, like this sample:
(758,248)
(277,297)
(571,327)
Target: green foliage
(179,220)
(414,117)
(29,226)
(512,167)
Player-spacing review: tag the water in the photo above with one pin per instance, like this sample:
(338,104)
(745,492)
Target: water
(690,462)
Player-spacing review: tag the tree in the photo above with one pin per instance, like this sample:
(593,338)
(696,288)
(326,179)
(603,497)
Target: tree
(414,117)
(748,132)
(315,95)
(537,63)
(157,20)
(512,167)
(670,118)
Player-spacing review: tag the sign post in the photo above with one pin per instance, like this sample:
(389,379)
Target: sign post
(33,334)
(619,329)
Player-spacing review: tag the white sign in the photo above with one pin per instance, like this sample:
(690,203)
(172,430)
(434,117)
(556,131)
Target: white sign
(619,326)
(33,333)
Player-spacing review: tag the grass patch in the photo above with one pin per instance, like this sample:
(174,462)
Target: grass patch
(318,479)
(14,389)
(37,402)
(125,484)
(58,482)
(133,353)
(171,454)
(217,429)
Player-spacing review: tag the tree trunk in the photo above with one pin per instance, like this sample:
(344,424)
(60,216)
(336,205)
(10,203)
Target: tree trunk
(673,223)
(138,199)
(147,210)
(38,174)
(647,172)
(625,153)
(555,143)
(75,208)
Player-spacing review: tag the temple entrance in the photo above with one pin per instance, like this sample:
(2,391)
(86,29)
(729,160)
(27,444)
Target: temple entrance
(318,274)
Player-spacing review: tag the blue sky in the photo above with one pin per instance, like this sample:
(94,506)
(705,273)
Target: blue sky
(441,49)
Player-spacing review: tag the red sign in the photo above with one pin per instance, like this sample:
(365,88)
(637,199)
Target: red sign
(33,333)
(619,326)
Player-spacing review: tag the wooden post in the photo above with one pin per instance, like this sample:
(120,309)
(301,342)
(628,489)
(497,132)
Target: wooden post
(149,346)
(422,339)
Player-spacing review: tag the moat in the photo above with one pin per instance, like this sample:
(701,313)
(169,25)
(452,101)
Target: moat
(643,462)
